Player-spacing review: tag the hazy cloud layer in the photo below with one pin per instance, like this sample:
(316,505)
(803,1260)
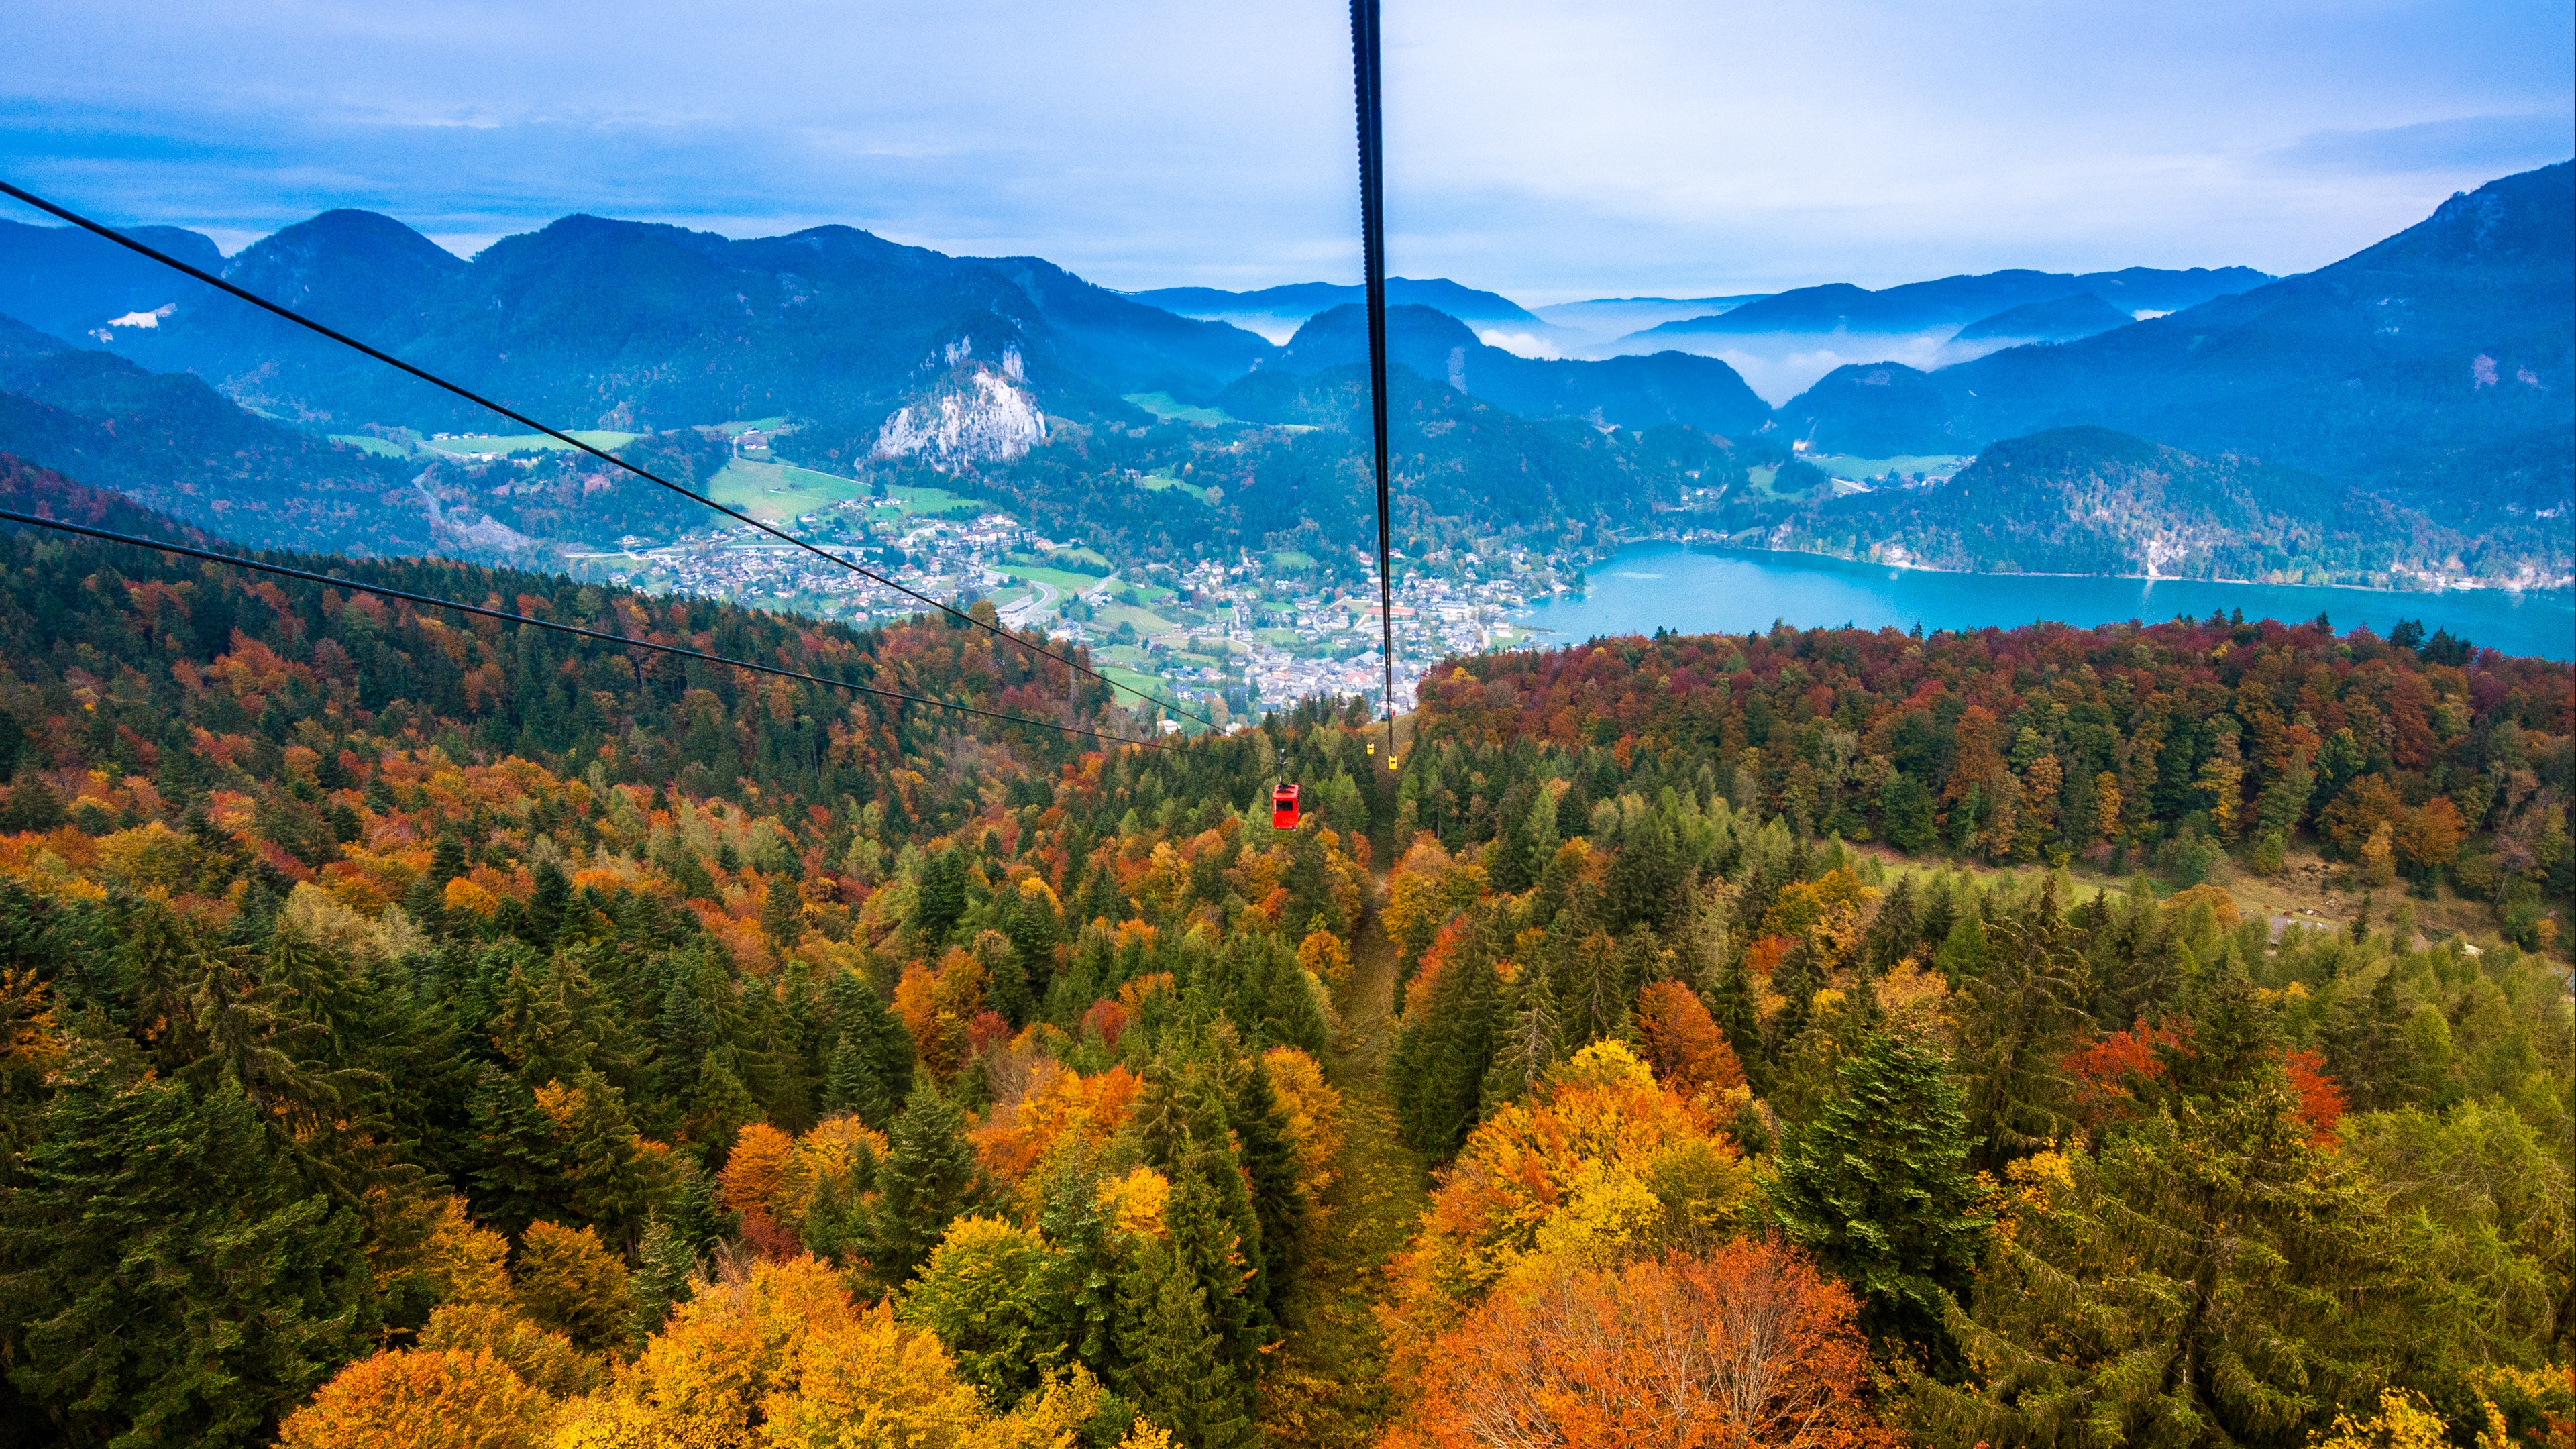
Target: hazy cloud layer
(1544,150)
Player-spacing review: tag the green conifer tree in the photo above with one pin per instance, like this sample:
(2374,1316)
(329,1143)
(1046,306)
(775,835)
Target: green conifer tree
(1178,1368)
(1877,1185)
(2210,1277)
(665,1263)
(517,1160)
(928,1180)
(167,1282)
(1527,1043)
(782,911)
(1270,1167)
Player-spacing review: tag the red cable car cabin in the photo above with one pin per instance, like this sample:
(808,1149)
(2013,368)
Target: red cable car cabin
(1283,808)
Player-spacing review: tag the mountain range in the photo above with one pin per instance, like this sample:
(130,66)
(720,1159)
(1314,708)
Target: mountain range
(2091,500)
(1960,301)
(2435,365)
(1638,392)
(2428,374)
(1277,312)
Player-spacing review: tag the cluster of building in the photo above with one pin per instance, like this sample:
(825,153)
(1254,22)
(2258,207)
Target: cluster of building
(1246,630)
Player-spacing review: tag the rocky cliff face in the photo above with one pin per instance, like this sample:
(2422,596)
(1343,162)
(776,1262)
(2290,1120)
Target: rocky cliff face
(978,414)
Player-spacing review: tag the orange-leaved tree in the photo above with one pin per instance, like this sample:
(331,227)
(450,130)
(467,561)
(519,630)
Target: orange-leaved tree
(1683,1043)
(1604,1165)
(423,1399)
(1748,1346)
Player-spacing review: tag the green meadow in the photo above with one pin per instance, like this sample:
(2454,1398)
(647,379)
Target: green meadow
(529,442)
(376,446)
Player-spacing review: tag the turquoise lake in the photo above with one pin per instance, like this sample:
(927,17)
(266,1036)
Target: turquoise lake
(1696,591)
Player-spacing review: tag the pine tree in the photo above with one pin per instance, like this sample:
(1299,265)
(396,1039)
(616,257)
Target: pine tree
(1891,932)
(1877,1185)
(1310,892)
(1441,1059)
(1270,1166)
(1177,1376)
(721,1106)
(940,897)
(446,859)
(782,911)
(1458,1077)
(1799,977)
(845,1078)
(1083,1271)
(666,1262)
(928,1179)
(546,904)
(2015,1026)
(1177,1362)
(1528,1044)
(517,1160)
(2210,1277)
(1598,1006)
(1733,1007)
(167,1282)
(877,1076)
(611,1182)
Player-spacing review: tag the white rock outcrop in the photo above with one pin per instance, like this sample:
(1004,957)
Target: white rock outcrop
(988,420)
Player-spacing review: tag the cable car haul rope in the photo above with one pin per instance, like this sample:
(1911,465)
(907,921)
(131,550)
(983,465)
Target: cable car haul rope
(1365,84)
(1367,93)
(567,439)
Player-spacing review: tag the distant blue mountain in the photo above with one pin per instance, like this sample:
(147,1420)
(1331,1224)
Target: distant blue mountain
(1634,392)
(1957,301)
(1305,299)
(2438,362)
(2062,320)
(604,323)
(63,280)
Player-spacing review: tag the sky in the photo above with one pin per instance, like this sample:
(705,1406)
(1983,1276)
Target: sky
(1549,151)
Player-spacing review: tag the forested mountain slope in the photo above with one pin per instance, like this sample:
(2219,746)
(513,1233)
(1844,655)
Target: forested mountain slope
(2094,501)
(174,443)
(1954,301)
(406,1022)
(2436,363)
(1633,392)
(623,325)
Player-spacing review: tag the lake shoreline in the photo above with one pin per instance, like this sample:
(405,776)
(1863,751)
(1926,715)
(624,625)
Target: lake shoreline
(1698,588)
(2568,588)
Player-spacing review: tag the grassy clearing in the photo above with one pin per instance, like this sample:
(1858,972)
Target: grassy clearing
(1329,1388)
(1159,482)
(1843,465)
(2305,892)
(931,500)
(1058,579)
(1110,616)
(1167,409)
(772,491)
(529,442)
(377,447)
(1081,560)
(1292,559)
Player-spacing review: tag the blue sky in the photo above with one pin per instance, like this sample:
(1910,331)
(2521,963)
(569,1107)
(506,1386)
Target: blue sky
(1550,151)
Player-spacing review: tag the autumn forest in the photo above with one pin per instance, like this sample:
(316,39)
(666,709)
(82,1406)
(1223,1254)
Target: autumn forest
(418,1030)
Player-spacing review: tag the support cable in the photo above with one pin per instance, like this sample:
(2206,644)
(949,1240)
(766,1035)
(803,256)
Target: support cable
(622,641)
(567,439)
(1366,85)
